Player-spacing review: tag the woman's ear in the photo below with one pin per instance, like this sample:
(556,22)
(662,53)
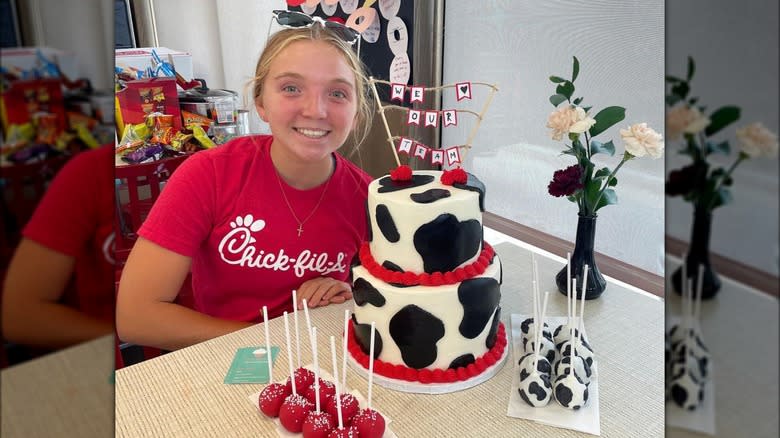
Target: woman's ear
(260,109)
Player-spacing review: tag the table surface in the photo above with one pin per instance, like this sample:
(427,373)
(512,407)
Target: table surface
(738,326)
(183,394)
(63,394)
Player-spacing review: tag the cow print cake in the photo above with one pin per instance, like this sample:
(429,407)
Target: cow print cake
(428,281)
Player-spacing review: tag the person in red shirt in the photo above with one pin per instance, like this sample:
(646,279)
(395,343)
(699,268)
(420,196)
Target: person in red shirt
(69,237)
(259,216)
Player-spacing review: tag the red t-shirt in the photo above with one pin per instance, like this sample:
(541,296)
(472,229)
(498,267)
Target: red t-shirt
(76,217)
(224,208)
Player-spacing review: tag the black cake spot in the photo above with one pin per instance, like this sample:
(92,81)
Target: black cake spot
(679,394)
(564,395)
(386,223)
(370,230)
(387,185)
(462,361)
(429,196)
(444,243)
(363,337)
(390,266)
(363,292)
(491,337)
(537,390)
(524,396)
(475,185)
(479,297)
(416,332)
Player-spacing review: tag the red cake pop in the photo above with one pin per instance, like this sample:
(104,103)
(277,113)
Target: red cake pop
(303,380)
(271,399)
(327,391)
(293,412)
(346,432)
(349,407)
(318,425)
(369,423)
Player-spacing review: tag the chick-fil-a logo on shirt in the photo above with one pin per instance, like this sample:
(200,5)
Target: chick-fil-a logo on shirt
(236,249)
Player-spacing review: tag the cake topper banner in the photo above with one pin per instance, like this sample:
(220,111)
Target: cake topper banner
(418,150)
(430,118)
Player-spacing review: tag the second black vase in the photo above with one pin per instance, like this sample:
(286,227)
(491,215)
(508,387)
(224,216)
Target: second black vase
(583,255)
(699,255)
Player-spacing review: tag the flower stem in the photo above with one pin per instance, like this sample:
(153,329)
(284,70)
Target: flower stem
(609,178)
(587,145)
(742,156)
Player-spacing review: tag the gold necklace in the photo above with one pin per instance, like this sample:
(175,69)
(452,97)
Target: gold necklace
(287,201)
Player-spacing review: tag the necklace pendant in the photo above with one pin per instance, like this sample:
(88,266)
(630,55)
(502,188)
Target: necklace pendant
(300,230)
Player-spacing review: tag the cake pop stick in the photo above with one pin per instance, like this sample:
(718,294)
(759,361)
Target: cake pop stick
(697,303)
(568,288)
(336,383)
(316,363)
(371,364)
(289,352)
(268,356)
(581,324)
(308,320)
(297,333)
(538,334)
(344,351)
(573,302)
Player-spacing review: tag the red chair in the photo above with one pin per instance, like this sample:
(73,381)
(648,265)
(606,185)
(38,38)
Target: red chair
(137,188)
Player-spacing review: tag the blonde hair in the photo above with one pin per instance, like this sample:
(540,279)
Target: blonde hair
(316,32)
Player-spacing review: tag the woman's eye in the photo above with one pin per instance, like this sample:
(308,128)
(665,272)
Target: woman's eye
(290,89)
(338,94)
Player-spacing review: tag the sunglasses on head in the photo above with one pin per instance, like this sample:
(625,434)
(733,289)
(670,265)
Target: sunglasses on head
(299,19)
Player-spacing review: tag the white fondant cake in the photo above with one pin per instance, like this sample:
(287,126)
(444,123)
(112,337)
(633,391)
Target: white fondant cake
(428,281)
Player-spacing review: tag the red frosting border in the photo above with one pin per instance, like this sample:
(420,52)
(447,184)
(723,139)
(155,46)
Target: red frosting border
(463,273)
(439,375)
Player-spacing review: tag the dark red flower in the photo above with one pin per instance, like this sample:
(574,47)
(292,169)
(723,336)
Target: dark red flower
(450,177)
(682,181)
(401,173)
(566,181)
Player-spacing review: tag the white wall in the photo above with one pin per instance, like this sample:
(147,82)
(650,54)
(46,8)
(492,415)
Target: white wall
(84,28)
(518,45)
(734,45)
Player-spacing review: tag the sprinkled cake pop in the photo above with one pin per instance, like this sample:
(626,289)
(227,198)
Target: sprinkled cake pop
(295,407)
(368,422)
(342,430)
(273,395)
(535,388)
(570,392)
(317,423)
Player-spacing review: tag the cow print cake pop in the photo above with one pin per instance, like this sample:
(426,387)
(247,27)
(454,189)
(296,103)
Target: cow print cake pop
(686,391)
(570,391)
(526,364)
(581,368)
(547,349)
(535,388)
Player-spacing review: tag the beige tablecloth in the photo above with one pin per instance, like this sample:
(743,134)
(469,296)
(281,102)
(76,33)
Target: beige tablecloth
(182,394)
(740,328)
(64,394)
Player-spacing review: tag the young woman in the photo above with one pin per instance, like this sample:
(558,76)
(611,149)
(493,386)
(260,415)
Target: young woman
(259,216)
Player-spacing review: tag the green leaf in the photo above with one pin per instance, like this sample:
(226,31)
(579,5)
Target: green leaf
(575,69)
(565,88)
(672,99)
(577,101)
(612,182)
(557,79)
(720,148)
(673,79)
(587,108)
(606,118)
(608,198)
(721,118)
(681,90)
(723,197)
(591,191)
(691,68)
(603,172)
(571,198)
(556,99)
(597,147)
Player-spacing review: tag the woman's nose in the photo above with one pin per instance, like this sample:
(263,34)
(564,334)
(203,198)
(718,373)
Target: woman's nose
(314,106)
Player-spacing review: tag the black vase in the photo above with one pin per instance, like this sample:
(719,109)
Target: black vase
(699,255)
(583,255)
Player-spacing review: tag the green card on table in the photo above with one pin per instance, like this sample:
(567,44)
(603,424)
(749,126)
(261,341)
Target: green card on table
(246,368)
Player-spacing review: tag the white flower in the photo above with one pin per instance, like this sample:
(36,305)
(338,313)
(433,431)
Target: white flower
(641,140)
(568,119)
(683,118)
(755,140)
